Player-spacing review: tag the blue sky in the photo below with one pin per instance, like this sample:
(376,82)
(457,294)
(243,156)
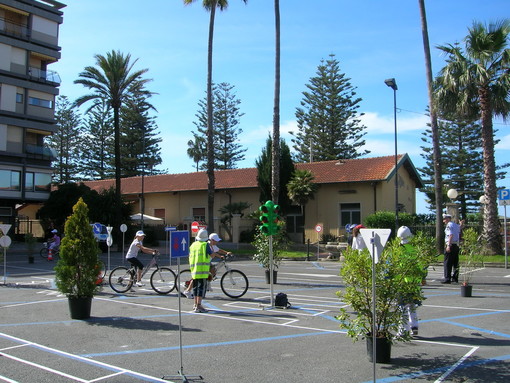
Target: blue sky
(373,40)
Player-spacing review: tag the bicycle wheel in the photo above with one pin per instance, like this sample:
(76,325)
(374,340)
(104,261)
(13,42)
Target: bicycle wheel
(44,252)
(234,283)
(163,280)
(185,279)
(121,279)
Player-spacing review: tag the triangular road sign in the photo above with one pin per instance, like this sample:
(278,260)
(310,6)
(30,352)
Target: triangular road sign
(375,240)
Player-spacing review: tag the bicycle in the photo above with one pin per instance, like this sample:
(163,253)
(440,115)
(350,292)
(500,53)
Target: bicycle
(46,249)
(162,280)
(233,282)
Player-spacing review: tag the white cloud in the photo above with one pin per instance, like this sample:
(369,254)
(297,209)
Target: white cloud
(383,124)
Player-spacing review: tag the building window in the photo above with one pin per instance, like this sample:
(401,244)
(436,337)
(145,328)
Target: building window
(350,213)
(160,213)
(294,222)
(10,180)
(199,214)
(19,98)
(37,182)
(40,102)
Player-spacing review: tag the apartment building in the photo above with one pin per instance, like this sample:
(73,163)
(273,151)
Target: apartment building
(29,31)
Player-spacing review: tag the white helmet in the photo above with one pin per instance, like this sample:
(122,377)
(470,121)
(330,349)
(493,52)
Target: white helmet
(202,235)
(404,234)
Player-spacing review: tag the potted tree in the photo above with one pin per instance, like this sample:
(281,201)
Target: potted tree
(30,241)
(470,251)
(76,270)
(261,244)
(398,274)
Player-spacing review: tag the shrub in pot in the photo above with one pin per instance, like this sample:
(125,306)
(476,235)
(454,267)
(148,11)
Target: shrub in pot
(76,270)
(470,251)
(261,244)
(398,274)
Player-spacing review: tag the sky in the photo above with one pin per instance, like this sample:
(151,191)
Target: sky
(372,39)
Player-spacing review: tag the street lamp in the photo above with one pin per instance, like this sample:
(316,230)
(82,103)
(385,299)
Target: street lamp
(393,85)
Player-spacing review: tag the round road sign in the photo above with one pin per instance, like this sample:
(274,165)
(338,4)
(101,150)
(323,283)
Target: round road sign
(318,228)
(194,226)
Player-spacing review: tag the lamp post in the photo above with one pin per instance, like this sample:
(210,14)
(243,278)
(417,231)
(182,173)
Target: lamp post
(393,85)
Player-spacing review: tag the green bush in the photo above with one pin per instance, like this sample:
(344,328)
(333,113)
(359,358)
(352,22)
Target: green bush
(76,271)
(386,220)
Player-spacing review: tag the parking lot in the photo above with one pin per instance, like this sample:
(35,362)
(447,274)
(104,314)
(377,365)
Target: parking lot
(135,337)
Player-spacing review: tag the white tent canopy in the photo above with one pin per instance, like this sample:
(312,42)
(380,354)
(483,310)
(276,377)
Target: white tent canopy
(146,218)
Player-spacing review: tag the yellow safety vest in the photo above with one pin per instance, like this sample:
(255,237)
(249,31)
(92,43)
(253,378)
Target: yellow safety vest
(199,260)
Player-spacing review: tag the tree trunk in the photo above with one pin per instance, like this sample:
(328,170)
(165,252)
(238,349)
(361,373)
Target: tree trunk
(436,152)
(275,149)
(491,224)
(210,130)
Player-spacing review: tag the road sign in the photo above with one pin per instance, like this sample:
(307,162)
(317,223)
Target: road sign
(194,226)
(375,240)
(318,228)
(5,241)
(5,228)
(179,243)
(170,228)
(504,194)
(96,228)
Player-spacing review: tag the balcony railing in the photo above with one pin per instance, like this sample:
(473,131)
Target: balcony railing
(41,152)
(14,29)
(46,75)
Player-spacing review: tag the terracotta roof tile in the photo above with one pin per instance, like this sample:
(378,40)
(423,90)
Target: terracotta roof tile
(353,170)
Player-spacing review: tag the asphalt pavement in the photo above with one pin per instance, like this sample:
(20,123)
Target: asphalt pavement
(141,336)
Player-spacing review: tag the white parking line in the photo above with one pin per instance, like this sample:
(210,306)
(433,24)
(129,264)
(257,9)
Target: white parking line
(119,370)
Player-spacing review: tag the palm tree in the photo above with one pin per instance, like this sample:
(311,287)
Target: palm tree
(113,81)
(275,157)
(301,189)
(436,152)
(196,149)
(210,5)
(476,82)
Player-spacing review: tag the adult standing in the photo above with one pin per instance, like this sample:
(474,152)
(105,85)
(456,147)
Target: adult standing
(200,262)
(357,240)
(451,251)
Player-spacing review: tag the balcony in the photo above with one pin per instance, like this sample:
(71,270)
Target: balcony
(40,152)
(14,29)
(44,75)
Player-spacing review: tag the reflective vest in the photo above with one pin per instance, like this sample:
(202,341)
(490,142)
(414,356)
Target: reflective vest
(199,260)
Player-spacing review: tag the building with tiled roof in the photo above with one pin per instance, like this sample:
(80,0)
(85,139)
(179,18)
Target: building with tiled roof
(349,190)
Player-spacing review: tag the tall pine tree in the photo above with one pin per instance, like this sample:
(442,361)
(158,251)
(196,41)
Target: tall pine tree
(462,163)
(328,121)
(263,164)
(97,144)
(140,150)
(66,141)
(226,119)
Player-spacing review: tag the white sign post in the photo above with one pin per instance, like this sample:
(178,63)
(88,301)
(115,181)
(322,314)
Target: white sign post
(318,229)
(504,199)
(5,242)
(375,240)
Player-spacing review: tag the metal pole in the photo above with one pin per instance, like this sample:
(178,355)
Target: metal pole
(396,159)
(374,306)
(506,244)
(271,269)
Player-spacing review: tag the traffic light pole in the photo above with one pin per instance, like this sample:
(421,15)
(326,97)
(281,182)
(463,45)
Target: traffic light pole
(271,268)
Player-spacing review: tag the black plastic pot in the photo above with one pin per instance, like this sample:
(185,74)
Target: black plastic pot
(275,273)
(382,350)
(466,290)
(80,308)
